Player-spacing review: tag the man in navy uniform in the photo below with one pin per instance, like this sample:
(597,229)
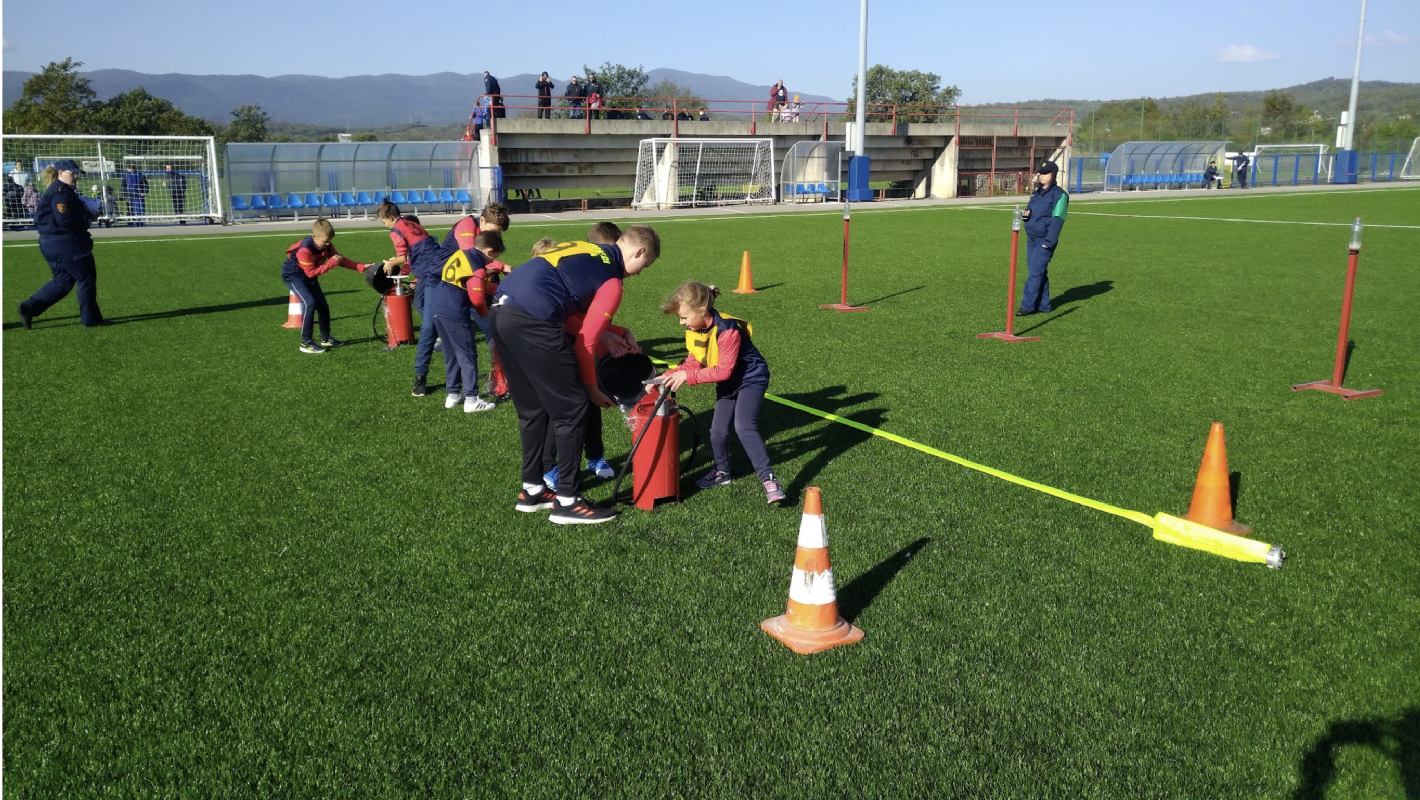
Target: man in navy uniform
(1241,163)
(135,192)
(62,219)
(1044,217)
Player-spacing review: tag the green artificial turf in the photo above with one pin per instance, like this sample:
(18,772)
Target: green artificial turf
(233,570)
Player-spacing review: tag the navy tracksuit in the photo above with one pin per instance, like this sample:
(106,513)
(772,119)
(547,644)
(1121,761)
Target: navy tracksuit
(448,307)
(62,219)
(1047,216)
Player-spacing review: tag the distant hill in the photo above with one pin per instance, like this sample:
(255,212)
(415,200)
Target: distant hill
(1327,96)
(364,101)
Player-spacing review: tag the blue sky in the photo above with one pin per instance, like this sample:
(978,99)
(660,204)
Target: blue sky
(1079,50)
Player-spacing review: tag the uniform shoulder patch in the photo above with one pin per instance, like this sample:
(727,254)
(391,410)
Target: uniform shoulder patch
(61,208)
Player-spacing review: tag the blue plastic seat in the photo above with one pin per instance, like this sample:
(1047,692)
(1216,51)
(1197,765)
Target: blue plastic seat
(294,201)
(347,201)
(330,200)
(258,202)
(364,199)
(239,203)
(446,196)
(431,197)
(462,196)
(399,198)
(379,197)
(312,200)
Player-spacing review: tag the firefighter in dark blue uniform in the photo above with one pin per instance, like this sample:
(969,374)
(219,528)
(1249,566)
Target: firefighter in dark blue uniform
(62,219)
(1044,217)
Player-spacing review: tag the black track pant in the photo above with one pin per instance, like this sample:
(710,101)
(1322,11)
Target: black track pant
(547,391)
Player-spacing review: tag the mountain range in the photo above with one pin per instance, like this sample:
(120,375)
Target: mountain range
(363,101)
(446,98)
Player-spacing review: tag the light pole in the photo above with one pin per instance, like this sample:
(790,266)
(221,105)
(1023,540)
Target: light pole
(1345,168)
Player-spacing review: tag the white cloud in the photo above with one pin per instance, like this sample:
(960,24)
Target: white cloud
(1245,54)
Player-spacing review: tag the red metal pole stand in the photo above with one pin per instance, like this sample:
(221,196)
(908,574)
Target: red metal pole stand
(842,304)
(1338,370)
(1009,335)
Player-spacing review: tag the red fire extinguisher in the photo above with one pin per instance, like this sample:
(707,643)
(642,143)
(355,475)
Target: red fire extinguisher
(399,321)
(655,457)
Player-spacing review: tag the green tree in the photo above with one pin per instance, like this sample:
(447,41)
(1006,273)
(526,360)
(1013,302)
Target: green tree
(138,113)
(249,124)
(685,98)
(57,100)
(1194,118)
(620,82)
(909,87)
(1286,118)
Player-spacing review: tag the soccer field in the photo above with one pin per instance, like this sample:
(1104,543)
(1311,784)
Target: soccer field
(233,570)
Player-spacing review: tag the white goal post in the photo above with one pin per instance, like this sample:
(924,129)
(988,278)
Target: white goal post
(1411,170)
(136,179)
(679,172)
(1307,162)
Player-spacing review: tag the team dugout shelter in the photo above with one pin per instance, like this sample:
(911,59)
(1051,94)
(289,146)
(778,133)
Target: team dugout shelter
(330,178)
(1161,165)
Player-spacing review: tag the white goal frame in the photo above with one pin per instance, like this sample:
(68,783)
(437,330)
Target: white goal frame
(1287,157)
(1411,170)
(679,172)
(104,160)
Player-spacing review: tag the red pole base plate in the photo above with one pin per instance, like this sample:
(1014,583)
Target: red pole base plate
(1330,388)
(843,307)
(1007,337)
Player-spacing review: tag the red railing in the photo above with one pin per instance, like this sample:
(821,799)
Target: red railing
(754,112)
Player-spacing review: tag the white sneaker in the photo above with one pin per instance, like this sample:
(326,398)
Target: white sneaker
(451,400)
(472,404)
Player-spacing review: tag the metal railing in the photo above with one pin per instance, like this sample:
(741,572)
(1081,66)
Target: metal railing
(752,113)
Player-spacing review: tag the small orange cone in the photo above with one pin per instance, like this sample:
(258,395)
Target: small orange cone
(812,623)
(293,311)
(746,277)
(1212,503)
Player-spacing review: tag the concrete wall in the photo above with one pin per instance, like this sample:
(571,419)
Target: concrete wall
(548,154)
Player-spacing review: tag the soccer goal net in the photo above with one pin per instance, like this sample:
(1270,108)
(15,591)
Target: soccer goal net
(136,179)
(680,172)
(1411,170)
(1291,164)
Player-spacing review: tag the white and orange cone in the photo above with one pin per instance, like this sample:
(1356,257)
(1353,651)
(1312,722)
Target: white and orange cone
(293,311)
(811,622)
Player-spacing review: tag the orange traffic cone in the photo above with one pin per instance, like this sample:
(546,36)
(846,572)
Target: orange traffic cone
(293,311)
(812,623)
(1212,503)
(746,277)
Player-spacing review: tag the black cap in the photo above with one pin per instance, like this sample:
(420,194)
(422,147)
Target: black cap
(68,165)
(1048,166)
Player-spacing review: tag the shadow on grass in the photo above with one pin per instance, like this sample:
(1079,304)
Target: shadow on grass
(1077,294)
(1067,312)
(859,593)
(177,312)
(824,441)
(764,287)
(889,296)
(1397,738)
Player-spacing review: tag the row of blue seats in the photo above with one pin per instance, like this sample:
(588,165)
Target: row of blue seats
(1162,179)
(810,189)
(403,198)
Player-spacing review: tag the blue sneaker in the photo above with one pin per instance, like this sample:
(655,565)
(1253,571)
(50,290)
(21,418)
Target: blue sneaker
(550,478)
(601,468)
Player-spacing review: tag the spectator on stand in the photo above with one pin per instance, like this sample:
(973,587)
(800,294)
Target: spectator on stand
(576,91)
(492,89)
(778,100)
(544,96)
(791,111)
(594,96)
(703,117)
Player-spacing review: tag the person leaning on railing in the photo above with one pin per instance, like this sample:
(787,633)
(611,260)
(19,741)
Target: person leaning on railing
(575,92)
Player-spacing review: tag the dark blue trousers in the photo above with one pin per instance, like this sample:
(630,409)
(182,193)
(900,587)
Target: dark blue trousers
(424,348)
(739,410)
(460,359)
(1037,292)
(314,309)
(69,269)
